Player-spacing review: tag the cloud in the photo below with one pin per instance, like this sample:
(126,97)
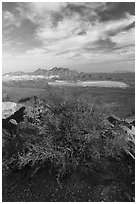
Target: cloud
(101,45)
(10,20)
(121,38)
(64,29)
(114,27)
(42,8)
(69,33)
(64,38)
(116,10)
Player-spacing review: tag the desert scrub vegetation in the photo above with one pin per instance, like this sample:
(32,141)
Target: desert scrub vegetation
(65,137)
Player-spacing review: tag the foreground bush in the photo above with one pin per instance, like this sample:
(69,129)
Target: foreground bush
(64,137)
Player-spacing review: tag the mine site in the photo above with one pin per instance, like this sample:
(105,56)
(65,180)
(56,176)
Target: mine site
(68,102)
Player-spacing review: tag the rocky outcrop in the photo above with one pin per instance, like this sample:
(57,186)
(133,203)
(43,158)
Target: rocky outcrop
(18,115)
(9,108)
(128,125)
(114,120)
(9,125)
(12,118)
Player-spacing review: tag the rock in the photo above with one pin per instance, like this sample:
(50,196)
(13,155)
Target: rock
(18,115)
(13,121)
(114,120)
(10,123)
(130,121)
(10,127)
(9,108)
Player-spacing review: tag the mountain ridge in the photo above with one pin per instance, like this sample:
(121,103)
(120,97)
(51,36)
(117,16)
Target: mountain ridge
(41,71)
(63,73)
(67,74)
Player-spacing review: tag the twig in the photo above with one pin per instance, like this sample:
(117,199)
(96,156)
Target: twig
(130,154)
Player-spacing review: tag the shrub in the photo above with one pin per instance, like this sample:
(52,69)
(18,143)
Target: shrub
(68,137)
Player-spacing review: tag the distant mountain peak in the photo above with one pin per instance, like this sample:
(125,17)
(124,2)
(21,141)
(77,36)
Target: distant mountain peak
(59,68)
(40,71)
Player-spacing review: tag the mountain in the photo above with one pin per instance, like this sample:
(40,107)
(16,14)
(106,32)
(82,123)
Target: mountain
(67,74)
(39,72)
(59,72)
(123,71)
(64,73)
(18,73)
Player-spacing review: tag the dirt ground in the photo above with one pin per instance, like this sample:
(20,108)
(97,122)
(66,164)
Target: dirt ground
(111,184)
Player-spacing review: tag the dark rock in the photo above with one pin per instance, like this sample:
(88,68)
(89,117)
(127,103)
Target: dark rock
(11,122)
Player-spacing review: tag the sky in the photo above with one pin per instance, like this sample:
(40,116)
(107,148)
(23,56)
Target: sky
(85,36)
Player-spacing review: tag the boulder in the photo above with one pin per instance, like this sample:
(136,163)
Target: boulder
(9,108)
(10,123)
(114,120)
